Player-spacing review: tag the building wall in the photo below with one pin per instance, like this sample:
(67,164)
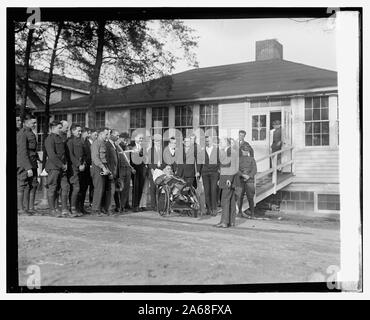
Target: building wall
(232,118)
(319,164)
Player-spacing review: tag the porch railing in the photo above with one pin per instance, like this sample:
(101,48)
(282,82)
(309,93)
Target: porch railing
(275,166)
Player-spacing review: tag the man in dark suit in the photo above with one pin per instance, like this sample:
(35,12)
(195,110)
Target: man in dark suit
(154,161)
(125,170)
(76,167)
(112,164)
(138,179)
(210,174)
(27,158)
(189,168)
(56,167)
(228,182)
(86,179)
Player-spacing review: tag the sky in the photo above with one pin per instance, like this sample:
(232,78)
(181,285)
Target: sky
(224,41)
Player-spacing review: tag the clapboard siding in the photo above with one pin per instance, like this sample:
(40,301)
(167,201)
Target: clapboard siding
(317,165)
(232,116)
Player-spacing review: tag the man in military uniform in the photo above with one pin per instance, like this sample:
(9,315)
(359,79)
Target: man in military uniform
(56,167)
(76,167)
(27,158)
(242,142)
(99,171)
(85,177)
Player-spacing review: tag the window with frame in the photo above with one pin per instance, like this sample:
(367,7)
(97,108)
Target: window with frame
(60,116)
(208,119)
(40,131)
(259,127)
(159,120)
(99,119)
(184,119)
(137,119)
(79,118)
(317,121)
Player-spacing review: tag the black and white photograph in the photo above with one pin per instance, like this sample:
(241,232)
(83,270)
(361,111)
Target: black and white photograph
(184,149)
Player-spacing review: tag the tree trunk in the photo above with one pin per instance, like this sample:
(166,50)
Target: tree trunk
(48,89)
(25,80)
(96,74)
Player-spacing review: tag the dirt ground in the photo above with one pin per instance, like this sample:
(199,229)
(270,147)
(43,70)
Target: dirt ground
(147,249)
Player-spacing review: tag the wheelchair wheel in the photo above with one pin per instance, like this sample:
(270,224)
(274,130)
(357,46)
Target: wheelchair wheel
(163,201)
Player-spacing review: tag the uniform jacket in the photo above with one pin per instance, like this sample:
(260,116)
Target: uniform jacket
(26,149)
(247,165)
(76,155)
(112,158)
(99,153)
(250,149)
(56,153)
(87,152)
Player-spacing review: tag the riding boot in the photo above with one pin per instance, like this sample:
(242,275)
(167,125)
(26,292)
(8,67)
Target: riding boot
(64,202)
(51,201)
(32,198)
(26,199)
(20,196)
(251,206)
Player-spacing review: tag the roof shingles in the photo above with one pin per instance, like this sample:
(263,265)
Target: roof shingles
(222,81)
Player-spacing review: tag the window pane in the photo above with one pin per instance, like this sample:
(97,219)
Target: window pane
(325,127)
(254,121)
(316,127)
(308,140)
(325,139)
(316,102)
(308,103)
(263,121)
(263,134)
(316,114)
(308,114)
(308,128)
(137,118)
(254,134)
(324,102)
(214,119)
(316,140)
(325,114)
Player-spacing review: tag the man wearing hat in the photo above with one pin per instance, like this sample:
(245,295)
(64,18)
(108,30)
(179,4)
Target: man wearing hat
(276,139)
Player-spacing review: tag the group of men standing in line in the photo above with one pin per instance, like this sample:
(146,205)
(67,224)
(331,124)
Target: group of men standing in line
(105,161)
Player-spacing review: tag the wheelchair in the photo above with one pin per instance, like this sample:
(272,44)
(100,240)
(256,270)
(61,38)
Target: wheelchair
(186,202)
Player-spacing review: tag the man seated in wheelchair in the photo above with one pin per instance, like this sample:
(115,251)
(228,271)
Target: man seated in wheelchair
(178,188)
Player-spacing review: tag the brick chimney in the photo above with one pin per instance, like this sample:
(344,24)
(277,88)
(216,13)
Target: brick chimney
(268,49)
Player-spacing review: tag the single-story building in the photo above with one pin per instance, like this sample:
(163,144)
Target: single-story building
(247,96)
